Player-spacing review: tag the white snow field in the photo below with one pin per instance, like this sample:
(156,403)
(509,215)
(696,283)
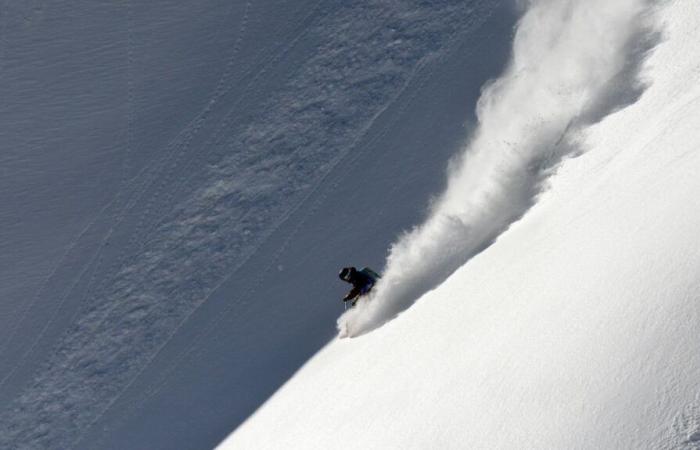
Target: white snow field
(578,327)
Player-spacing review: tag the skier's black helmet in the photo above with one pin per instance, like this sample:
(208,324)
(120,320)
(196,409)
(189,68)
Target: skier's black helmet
(346,273)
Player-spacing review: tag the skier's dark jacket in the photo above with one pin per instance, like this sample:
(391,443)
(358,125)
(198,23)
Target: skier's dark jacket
(361,282)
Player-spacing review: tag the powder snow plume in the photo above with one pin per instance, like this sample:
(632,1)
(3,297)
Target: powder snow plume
(572,63)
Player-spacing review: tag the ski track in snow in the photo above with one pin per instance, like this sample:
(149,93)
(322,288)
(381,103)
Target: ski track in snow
(131,192)
(133,301)
(127,197)
(573,63)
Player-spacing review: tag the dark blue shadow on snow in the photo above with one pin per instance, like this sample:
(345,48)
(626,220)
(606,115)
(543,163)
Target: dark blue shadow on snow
(225,362)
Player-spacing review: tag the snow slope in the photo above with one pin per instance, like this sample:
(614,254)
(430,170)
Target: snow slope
(181,182)
(576,328)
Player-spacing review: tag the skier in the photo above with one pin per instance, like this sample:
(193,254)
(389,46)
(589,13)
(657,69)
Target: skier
(362,282)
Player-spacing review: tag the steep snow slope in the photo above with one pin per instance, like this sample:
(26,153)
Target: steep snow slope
(182,180)
(577,328)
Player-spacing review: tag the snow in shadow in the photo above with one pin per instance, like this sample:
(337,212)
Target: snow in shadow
(572,64)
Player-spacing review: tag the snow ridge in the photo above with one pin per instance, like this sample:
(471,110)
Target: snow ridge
(572,64)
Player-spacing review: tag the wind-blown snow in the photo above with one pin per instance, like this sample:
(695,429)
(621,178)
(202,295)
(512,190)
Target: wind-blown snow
(576,329)
(573,62)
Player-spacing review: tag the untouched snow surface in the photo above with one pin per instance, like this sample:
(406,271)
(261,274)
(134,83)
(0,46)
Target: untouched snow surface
(578,326)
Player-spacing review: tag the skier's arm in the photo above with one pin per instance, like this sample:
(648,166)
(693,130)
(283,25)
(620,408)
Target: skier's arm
(352,294)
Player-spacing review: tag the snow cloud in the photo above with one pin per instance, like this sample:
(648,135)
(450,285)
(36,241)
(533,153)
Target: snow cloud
(573,63)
